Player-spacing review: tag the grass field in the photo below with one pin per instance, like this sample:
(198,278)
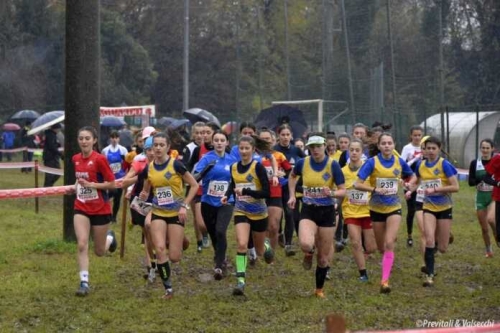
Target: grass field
(39,275)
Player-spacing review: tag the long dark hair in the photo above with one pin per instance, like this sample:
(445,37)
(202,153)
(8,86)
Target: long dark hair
(92,131)
(260,145)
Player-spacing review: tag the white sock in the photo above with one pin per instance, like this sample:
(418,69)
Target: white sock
(109,240)
(84,276)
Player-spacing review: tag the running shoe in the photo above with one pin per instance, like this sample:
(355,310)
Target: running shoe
(409,242)
(451,239)
(339,246)
(83,290)
(328,276)
(281,240)
(239,290)
(206,242)
(199,248)
(363,278)
(429,281)
(114,243)
(152,275)
(489,254)
(307,261)
(384,287)
(289,251)
(268,253)
(169,293)
(218,274)
(252,257)
(319,293)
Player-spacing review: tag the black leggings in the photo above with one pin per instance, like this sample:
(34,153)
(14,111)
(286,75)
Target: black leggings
(289,218)
(410,203)
(116,194)
(497,219)
(217,220)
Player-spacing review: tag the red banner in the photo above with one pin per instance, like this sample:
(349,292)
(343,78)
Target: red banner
(121,111)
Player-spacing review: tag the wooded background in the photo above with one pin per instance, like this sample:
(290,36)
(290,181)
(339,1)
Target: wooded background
(393,61)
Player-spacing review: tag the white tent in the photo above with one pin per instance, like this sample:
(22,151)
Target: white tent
(462,132)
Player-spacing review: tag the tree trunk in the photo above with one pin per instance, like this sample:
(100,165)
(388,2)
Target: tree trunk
(82,87)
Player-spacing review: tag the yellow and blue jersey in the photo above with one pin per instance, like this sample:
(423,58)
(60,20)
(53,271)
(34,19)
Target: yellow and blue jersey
(386,174)
(355,203)
(436,174)
(166,181)
(316,176)
(246,205)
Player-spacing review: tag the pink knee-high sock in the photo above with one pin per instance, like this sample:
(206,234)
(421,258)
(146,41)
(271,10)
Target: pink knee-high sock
(387,261)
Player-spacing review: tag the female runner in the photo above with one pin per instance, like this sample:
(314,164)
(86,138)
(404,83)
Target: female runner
(356,212)
(384,172)
(214,169)
(250,185)
(320,174)
(485,208)
(165,176)
(92,210)
(439,179)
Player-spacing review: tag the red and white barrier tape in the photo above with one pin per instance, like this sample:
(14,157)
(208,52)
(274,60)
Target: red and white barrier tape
(36,192)
(452,326)
(42,191)
(17,165)
(21,165)
(20,149)
(53,171)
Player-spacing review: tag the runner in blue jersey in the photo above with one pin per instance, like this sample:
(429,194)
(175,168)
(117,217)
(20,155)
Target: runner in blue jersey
(115,154)
(214,169)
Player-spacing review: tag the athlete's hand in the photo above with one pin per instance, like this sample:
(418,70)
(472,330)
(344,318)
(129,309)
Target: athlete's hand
(182,215)
(275,180)
(238,191)
(143,195)
(223,200)
(327,191)
(291,202)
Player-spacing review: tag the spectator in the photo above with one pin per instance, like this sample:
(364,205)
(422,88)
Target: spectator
(8,143)
(27,141)
(51,154)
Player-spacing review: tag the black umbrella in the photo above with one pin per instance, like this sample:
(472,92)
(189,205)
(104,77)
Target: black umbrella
(279,114)
(25,115)
(165,121)
(112,121)
(197,114)
(47,117)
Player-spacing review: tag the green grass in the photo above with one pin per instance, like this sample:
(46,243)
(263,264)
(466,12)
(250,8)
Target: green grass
(39,275)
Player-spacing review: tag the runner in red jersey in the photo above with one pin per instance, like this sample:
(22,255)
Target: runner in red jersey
(92,210)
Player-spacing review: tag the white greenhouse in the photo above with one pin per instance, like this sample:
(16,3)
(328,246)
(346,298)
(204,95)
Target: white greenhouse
(463,142)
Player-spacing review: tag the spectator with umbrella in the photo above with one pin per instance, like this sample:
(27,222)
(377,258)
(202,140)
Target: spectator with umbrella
(51,154)
(29,142)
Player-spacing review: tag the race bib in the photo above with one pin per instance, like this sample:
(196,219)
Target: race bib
(390,184)
(269,171)
(432,183)
(420,194)
(116,167)
(217,188)
(356,197)
(140,206)
(314,192)
(164,196)
(86,193)
(483,187)
(250,186)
